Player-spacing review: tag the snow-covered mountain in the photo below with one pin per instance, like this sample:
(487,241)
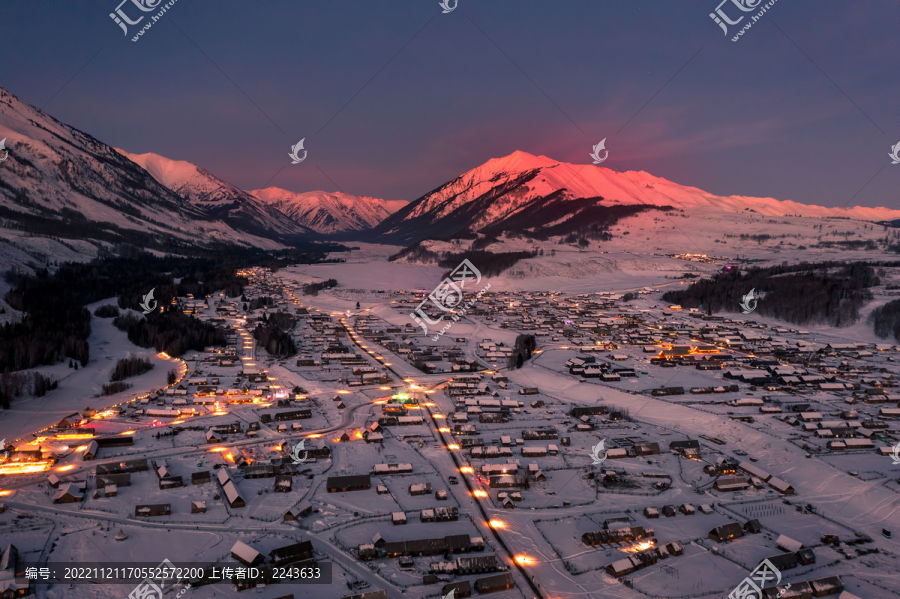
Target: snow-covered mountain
(216,197)
(58,181)
(522,191)
(326,212)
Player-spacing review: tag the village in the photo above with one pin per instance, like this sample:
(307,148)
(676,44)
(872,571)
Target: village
(663,451)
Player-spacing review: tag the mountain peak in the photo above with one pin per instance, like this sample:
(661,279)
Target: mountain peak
(165,170)
(518,161)
(326,211)
(522,191)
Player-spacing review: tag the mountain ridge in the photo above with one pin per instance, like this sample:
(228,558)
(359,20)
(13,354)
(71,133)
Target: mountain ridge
(490,196)
(329,212)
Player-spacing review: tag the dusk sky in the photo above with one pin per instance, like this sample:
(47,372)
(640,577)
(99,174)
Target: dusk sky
(396,98)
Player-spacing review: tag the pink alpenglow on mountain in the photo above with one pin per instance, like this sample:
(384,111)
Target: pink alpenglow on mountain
(203,189)
(526,191)
(326,212)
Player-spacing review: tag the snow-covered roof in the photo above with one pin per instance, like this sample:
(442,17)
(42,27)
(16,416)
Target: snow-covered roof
(245,552)
(789,544)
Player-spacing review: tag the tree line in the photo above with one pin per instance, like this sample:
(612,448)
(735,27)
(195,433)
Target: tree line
(106,311)
(129,367)
(171,331)
(260,302)
(488,263)
(55,325)
(14,384)
(115,387)
(886,320)
(522,350)
(273,338)
(315,288)
(825,292)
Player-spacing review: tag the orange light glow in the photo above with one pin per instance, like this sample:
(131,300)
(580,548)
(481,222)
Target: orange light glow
(429,404)
(218,449)
(64,468)
(229,457)
(5,493)
(358,435)
(342,392)
(642,546)
(385,388)
(453,446)
(25,467)
(388,364)
(524,560)
(163,355)
(467,470)
(437,416)
(381,401)
(74,436)
(429,391)
(443,429)
(126,433)
(81,448)
(37,441)
(479,493)
(497,524)
(316,436)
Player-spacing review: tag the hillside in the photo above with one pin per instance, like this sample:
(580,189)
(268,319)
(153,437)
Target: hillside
(326,212)
(59,182)
(540,196)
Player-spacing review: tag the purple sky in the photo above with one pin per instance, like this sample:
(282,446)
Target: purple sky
(396,98)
